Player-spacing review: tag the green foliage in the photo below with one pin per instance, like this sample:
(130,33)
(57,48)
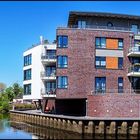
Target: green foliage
(8,95)
(21,106)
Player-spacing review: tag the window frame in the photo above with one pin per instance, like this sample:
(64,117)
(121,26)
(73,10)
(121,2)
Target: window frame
(120,58)
(100,46)
(27,74)
(103,91)
(121,47)
(59,86)
(27,87)
(120,88)
(60,43)
(100,61)
(28,60)
(61,58)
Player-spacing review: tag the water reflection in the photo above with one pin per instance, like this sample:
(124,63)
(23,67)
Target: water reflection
(46,133)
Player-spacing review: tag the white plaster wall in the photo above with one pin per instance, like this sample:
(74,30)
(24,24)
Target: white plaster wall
(36,67)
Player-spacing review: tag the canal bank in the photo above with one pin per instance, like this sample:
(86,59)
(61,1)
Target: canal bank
(102,127)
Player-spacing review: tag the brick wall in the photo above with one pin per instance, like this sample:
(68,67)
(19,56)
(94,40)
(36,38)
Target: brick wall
(81,71)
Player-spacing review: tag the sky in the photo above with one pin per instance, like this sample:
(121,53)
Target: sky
(22,23)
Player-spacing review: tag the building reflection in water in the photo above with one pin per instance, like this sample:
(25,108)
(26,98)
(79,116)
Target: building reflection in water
(46,133)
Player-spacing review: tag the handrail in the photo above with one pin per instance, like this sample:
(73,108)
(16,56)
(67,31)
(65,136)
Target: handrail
(43,56)
(51,91)
(134,68)
(97,27)
(104,91)
(45,74)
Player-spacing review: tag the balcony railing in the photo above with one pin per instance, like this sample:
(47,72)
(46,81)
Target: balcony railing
(134,49)
(49,57)
(49,92)
(46,74)
(135,68)
(98,27)
(118,91)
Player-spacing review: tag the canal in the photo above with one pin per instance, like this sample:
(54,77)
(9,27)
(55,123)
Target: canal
(18,130)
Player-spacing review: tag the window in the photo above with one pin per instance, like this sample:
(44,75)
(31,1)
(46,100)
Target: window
(120,63)
(100,84)
(51,54)
(120,43)
(27,89)
(50,86)
(62,61)
(27,74)
(109,24)
(27,60)
(62,41)
(81,24)
(134,28)
(100,62)
(120,84)
(50,71)
(62,81)
(100,42)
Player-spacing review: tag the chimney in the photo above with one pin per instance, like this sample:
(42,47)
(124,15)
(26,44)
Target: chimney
(41,39)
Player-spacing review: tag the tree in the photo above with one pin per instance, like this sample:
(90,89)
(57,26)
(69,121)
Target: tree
(14,91)
(2,86)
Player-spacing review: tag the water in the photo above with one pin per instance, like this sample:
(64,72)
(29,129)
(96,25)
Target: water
(18,130)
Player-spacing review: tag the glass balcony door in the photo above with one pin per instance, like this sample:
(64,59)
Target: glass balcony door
(50,71)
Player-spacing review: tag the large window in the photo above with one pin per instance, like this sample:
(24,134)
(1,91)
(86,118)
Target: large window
(27,74)
(100,84)
(27,60)
(81,24)
(100,42)
(27,89)
(62,82)
(62,41)
(100,62)
(120,85)
(120,63)
(50,86)
(50,71)
(62,61)
(120,43)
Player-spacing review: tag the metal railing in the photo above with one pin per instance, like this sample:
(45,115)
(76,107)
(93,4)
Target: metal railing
(98,27)
(43,56)
(46,74)
(134,49)
(50,91)
(118,91)
(134,68)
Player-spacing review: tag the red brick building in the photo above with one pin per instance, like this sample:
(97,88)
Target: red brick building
(98,65)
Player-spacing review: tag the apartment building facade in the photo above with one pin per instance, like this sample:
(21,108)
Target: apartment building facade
(102,77)
(97,67)
(40,73)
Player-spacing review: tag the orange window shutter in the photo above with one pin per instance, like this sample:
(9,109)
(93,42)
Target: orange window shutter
(112,43)
(112,62)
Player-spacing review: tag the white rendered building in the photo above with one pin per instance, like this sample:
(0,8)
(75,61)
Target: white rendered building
(39,72)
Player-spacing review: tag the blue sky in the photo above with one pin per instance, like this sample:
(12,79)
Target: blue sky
(21,24)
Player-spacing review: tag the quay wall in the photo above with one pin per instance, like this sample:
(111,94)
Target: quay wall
(102,127)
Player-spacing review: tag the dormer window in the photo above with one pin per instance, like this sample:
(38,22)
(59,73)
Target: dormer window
(109,24)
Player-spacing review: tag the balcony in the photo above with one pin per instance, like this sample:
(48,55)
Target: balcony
(48,92)
(94,27)
(48,59)
(134,51)
(48,76)
(134,71)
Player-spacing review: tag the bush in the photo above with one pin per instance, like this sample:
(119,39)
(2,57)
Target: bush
(23,106)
